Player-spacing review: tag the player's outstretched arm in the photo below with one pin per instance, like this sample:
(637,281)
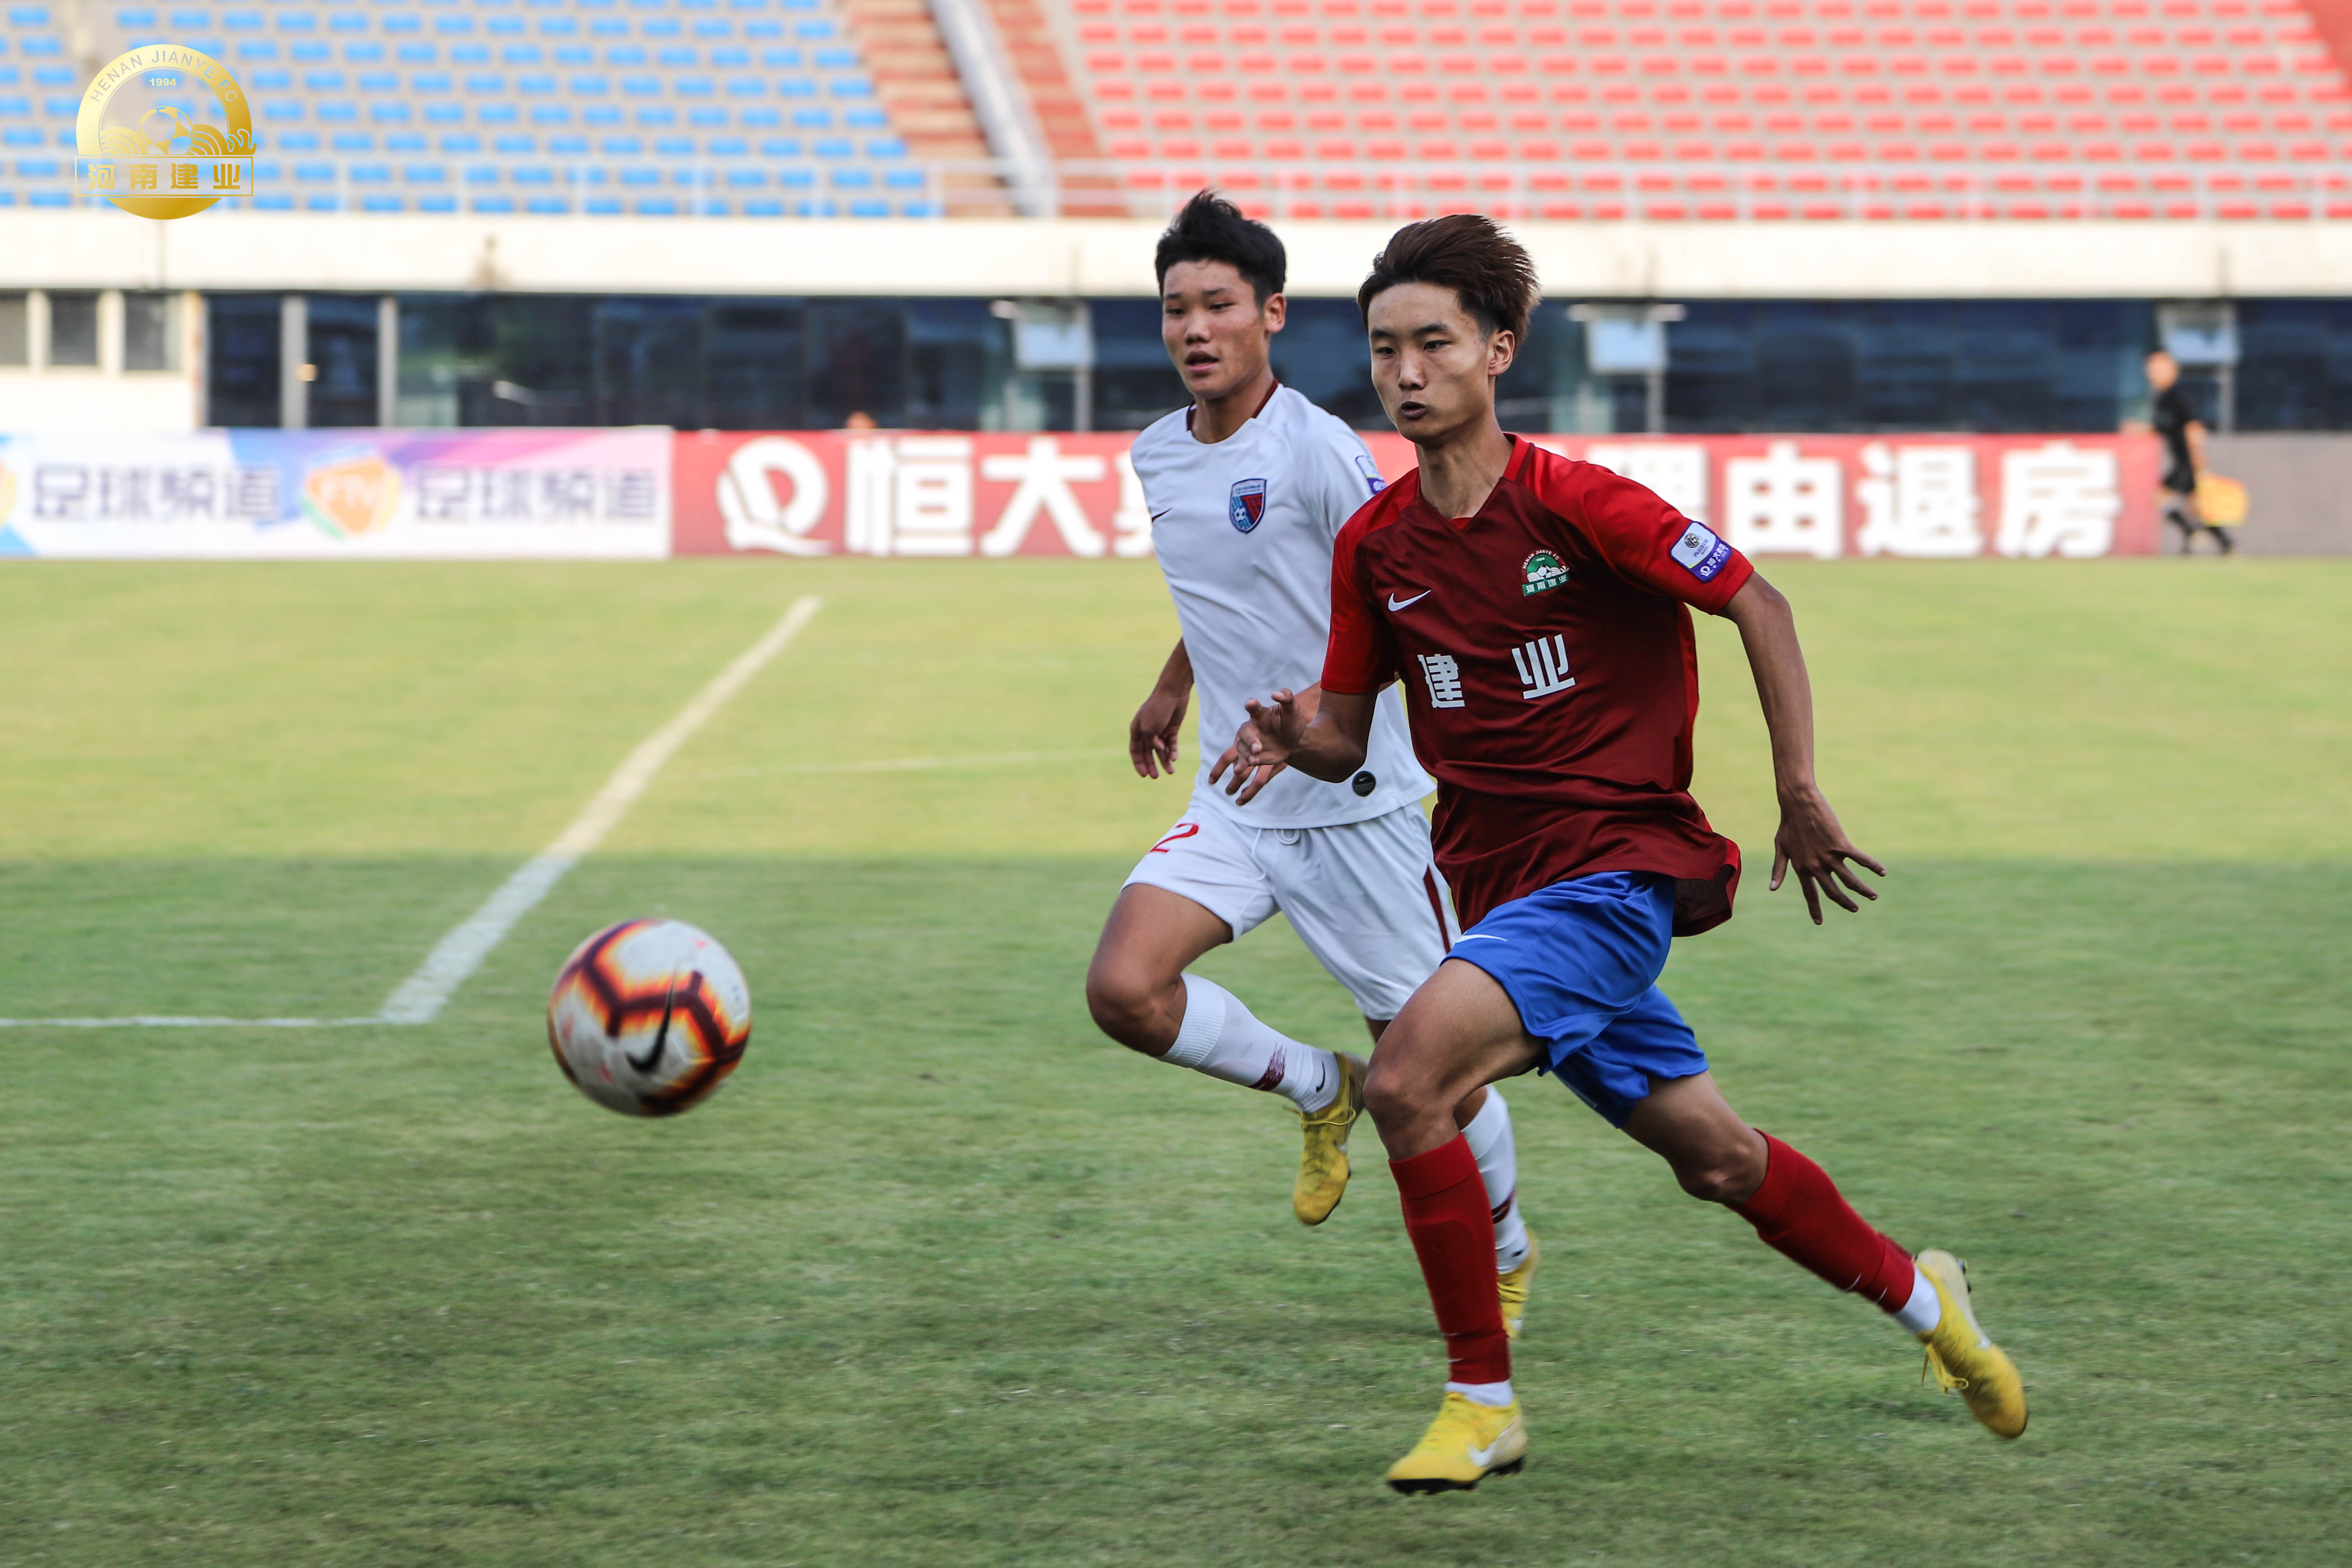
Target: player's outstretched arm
(1810,839)
(1152,734)
(1324,740)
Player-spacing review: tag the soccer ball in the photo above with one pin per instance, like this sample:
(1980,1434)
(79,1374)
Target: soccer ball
(647,1016)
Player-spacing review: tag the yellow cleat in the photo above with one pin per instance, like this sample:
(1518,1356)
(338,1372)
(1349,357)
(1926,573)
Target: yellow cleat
(1512,1288)
(1323,1162)
(1963,1358)
(1465,1445)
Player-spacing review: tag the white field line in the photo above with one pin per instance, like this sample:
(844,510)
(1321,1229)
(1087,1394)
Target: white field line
(420,998)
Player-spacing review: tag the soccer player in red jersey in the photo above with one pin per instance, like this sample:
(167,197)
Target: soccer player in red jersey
(1537,612)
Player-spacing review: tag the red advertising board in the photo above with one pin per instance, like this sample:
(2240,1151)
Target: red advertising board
(950,493)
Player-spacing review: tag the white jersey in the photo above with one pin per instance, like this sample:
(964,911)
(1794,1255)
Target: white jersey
(1243,531)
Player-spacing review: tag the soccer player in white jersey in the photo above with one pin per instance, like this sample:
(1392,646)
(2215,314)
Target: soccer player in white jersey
(1247,489)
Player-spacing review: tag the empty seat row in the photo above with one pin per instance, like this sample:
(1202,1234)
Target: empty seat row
(778,57)
(609,146)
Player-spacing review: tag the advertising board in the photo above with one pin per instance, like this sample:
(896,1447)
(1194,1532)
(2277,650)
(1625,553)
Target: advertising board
(339,494)
(1825,497)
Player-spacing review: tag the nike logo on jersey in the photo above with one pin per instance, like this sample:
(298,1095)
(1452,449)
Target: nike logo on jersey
(1163,512)
(1396,603)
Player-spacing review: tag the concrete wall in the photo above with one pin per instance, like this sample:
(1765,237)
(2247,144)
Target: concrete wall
(41,398)
(100,248)
(2298,491)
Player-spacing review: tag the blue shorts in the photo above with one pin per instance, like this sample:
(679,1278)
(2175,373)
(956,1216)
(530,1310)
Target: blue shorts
(1580,961)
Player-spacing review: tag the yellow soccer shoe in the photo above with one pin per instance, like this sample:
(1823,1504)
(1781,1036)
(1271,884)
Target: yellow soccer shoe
(1512,1288)
(1963,1357)
(1466,1443)
(1323,1162)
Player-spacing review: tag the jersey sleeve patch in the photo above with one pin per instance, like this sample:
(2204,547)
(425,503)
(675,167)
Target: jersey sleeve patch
(1373,483)
(1699,553)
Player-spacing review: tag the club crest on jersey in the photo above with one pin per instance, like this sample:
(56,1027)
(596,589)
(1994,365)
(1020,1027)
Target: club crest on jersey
(1544,572)
(1247,506)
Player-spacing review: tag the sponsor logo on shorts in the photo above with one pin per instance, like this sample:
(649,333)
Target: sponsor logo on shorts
(1246,505)
(1700,553)
(1543,573)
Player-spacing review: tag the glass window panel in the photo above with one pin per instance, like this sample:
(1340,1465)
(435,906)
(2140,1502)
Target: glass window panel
(16,338)
(241,338)
(73,329)
(148,340)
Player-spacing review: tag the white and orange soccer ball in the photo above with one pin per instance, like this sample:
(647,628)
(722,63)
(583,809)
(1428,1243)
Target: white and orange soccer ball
(647,1016)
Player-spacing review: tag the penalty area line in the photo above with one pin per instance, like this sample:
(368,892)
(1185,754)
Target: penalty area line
(420,998)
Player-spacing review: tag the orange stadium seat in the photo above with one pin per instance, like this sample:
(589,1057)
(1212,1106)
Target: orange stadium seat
(1796,108)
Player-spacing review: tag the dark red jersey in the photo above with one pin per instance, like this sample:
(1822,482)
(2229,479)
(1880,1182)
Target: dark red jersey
(1549,673)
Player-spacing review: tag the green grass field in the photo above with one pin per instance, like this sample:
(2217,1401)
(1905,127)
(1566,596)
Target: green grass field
(942,1278)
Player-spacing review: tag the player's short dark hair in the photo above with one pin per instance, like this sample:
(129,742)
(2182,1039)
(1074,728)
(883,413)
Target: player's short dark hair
(1212,229)
(1488,270)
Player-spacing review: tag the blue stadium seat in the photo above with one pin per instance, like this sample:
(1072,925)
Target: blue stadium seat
(439,203)
(257,50)
(727,147)
(656,206)
(919,209)
(378,202)
(885,147)
(904,179)
(277,111)
(816,209)
(291,21)
(522,55)
(418,55)
(853,179)
(425,173)
(315,173)
(797,87)
(48,199)
(759,118)
(338,112)
(568,146)
(796,179)
(347,21)
(405,26)
(20,136)
(590,86)
(469,54)
(181,21)
(392,113)
(482,174)
(730,59)
(714,27)
(869,209)
(404,142)
(558,26)
(674,146)
(365,53)
(297,142)
(492,203)
(600,114)
(850,87)
(354,141)
(41,48)
(642,86)
(746,87)
(273,202)
(630,54)
(370,173)
(782,59)
(609,27)
(763,208)
(836,59)
(453,24)
(379,82)
(496,114)
(533,174)
(61,108)
(269,80)
(535,84)
(516,144)
(705,117)
(662,114)
(322,81)
(465,142)
(55,75)
(504,26)
(551,114)
(811,119)
(641,176)
(865,119)
(486,84)
(602,206)
(136,20)
(747,179)
(309,53)
(621,147)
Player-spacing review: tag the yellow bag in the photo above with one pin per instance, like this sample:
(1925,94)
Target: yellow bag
(2220,502)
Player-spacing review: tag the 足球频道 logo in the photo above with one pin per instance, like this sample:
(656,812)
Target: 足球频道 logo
(164,133)
(1544,572)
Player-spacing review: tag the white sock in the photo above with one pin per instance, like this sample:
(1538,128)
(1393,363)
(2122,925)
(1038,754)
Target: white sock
(1491,1145)
(1493,1395)
(1220,1038)
(1923,1310)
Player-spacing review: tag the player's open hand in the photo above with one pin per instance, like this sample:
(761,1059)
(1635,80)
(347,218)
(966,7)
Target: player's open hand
(1811,841)
(1263,744)
(1152,734)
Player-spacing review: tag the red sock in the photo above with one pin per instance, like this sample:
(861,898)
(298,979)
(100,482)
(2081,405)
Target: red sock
(1452,1233)
(1798,1211)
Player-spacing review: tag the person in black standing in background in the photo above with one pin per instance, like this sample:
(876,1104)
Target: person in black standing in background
(2175,419)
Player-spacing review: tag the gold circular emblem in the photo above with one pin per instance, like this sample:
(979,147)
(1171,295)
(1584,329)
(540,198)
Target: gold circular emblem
(155,161)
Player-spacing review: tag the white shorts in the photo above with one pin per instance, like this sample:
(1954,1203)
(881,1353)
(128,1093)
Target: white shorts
(1365,897)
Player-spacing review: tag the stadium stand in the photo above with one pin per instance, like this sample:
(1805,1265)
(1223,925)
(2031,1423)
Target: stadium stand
(1589,110)
(655,108)
(1727,109)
